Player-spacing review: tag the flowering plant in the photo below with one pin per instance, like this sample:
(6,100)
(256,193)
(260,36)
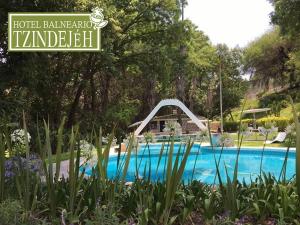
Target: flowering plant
(202,136)
(226,140)
(245,130)
(16,163)
(86,148)
(149,137)
(18,139)
(18,136)
(173,127)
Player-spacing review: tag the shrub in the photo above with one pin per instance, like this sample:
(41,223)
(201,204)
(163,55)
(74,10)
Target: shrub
(274,101)
(280,122)
(13,213)
(18,139)
(231,126)
(10,212)
(291,135)
(14,164)
(247,121)
(268,100)
(225,140)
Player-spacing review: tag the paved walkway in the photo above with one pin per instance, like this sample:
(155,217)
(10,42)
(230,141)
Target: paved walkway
(64,165)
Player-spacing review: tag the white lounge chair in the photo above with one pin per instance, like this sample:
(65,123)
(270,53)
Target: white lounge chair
(279,138)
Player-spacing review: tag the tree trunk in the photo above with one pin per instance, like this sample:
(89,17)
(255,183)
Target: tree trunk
(93,93)
(72,112)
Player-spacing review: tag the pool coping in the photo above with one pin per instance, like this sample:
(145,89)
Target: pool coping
(233,148)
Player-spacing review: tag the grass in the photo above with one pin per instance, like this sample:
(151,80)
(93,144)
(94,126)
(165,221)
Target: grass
(256,140)
(254,103)
(259,144)
(254,136)
(249,104)
(287,112)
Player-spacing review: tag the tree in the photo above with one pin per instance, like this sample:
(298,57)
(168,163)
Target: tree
(146,48)
(266,58)
(233,84)
(287,16)
(275,57)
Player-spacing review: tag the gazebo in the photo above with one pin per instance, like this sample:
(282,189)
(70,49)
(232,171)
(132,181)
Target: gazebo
(254,111)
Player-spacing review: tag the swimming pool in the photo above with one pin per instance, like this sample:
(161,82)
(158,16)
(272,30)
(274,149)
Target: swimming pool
(205,170)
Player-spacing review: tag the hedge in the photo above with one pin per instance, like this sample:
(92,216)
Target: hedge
(231,126)
(280,122)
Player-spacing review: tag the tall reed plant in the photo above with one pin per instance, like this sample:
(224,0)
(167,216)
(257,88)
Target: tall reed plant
(297,126)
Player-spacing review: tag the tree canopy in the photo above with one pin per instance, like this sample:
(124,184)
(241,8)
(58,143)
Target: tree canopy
(148,53)
(275,56)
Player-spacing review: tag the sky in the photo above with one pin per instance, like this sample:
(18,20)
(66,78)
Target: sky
(233,22)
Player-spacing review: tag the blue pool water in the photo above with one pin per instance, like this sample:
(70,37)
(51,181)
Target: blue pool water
(205,170)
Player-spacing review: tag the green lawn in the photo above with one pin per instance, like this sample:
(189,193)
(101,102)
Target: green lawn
(253,103)
(287,112)
(257,140)
(249,104)
(259,144)
(255,136)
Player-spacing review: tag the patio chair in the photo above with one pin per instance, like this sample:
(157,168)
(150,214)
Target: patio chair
(261,130)
(279,138)
(251,129)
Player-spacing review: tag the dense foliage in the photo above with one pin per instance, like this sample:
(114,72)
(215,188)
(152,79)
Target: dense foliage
(28,197)
(148,53)
(274,58)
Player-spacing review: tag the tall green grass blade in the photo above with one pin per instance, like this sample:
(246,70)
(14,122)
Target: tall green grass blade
(150,164)
(127,160)
(39,142)
(27,181)
(107,149)
(7,140)
(169,164)
(195,162)
(59,148)
(36,187)
(262,154)
(72,171)
(173,178)
(160,157)
(171,186)
(49,151)
(98,171)
(2,166)
(236,167)
(214,155)
(183,162)
(78,154)
(142,156)
(218,163)
(166,157)
(297,125)
(283,169)
(48,170)
(240,141)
